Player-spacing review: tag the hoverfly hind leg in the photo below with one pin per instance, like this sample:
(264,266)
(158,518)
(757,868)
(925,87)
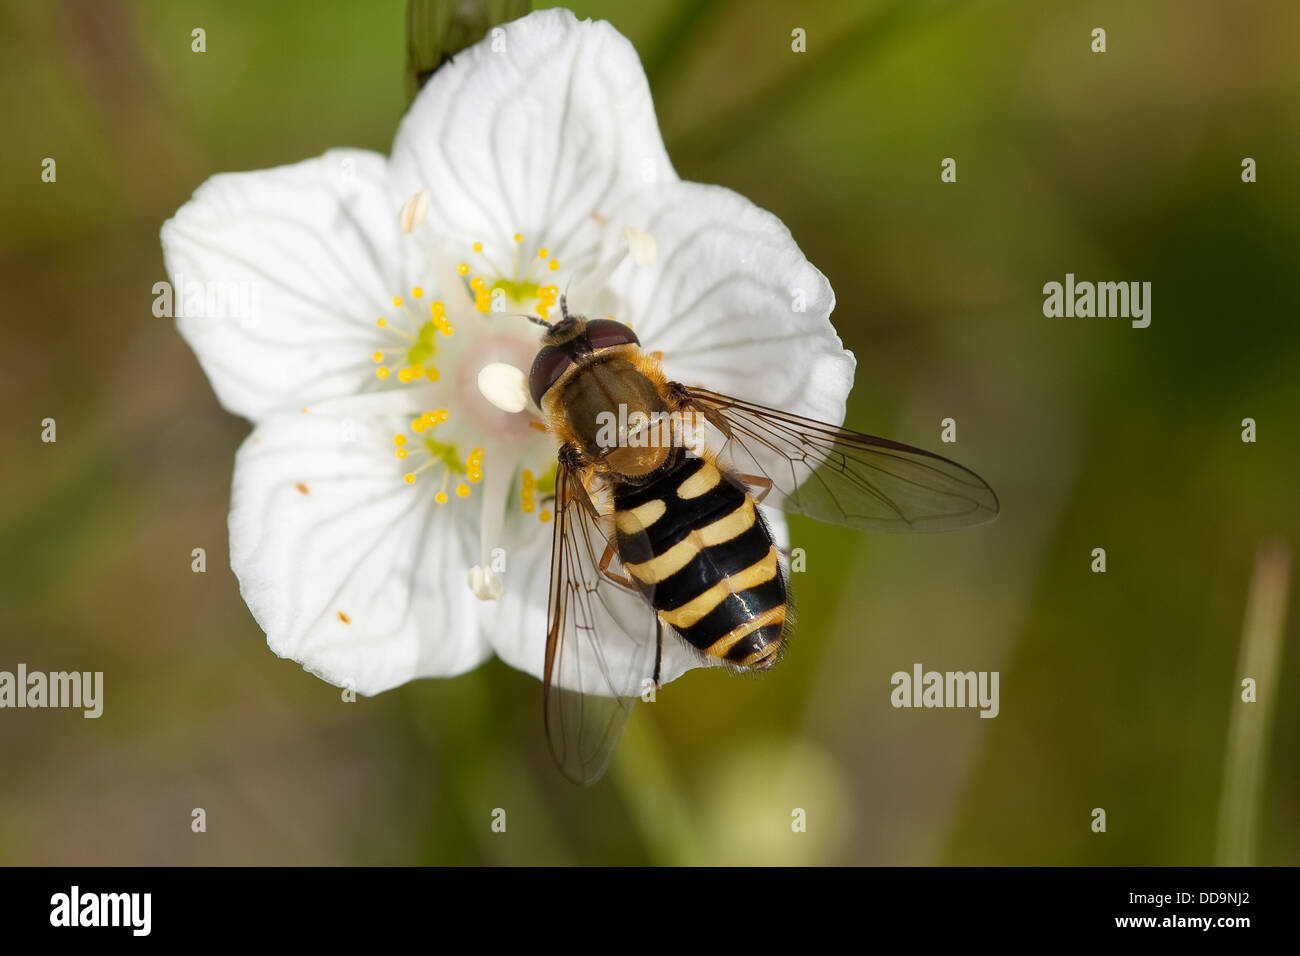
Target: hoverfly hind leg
(659,652)
(619,579)
(759,486)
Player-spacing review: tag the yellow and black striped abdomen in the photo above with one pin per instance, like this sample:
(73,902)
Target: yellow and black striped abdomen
(700,550)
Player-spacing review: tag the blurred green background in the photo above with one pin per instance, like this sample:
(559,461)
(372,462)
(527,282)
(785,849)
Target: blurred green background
(1116,689)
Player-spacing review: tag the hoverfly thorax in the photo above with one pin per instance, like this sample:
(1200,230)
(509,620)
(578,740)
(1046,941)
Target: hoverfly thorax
(590,377)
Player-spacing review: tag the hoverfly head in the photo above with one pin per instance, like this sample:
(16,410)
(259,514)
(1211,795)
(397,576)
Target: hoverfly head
(567,341)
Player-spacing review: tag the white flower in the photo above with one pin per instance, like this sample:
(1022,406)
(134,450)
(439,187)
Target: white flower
(395,463)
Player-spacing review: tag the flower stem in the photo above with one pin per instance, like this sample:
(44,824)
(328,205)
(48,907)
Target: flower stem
(1250,726)
(436,30)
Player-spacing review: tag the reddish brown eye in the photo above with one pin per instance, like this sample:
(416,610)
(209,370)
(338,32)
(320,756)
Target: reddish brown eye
(547,369)
(603,333)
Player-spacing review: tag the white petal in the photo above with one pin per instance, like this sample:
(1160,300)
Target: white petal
(722,301)
(315,249)
(350,571)
(532,131)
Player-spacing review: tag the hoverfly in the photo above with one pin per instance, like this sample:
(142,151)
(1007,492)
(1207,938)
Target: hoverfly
(655,536)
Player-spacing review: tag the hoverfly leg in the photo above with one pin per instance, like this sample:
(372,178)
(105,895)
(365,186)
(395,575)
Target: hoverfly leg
(659,651)
(757,481)
(619,579)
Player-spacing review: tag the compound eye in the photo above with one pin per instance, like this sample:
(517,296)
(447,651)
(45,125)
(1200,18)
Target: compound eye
(604,333)
(547,369)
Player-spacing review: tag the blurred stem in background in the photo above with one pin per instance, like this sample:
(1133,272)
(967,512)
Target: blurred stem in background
(436,30)
(852,50)
(1250,726)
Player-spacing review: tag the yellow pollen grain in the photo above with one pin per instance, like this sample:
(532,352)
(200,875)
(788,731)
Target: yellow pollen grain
(463,268)
(462,490)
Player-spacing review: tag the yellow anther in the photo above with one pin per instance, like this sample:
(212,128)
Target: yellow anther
(431,374)
(419,425)
(483,301)
(401,453)
(555,264)
(519,237)
(478,247)
(544,517)
(437,308)
(399,439)
(463,268)
(382,372)
(378,356)
(441,497)
(417,292)
(382,322)
(477,283)
(543,252)
(410,478)
(411,372)
(397,301)
(462,490)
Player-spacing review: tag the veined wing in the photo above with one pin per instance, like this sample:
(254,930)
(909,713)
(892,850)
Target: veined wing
(842,476)
(602,640)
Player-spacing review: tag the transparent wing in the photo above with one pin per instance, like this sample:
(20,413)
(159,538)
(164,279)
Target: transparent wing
(844,477)
(601,643)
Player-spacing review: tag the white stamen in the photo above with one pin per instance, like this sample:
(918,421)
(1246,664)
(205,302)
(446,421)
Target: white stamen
(504,386)
(485,585)
(642,245)
(413,211)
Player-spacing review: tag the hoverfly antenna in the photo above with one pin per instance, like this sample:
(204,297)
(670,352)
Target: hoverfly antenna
(564,304)
(535,319)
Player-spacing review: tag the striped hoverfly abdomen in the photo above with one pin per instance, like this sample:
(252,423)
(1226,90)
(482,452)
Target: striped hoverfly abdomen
(706,560)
